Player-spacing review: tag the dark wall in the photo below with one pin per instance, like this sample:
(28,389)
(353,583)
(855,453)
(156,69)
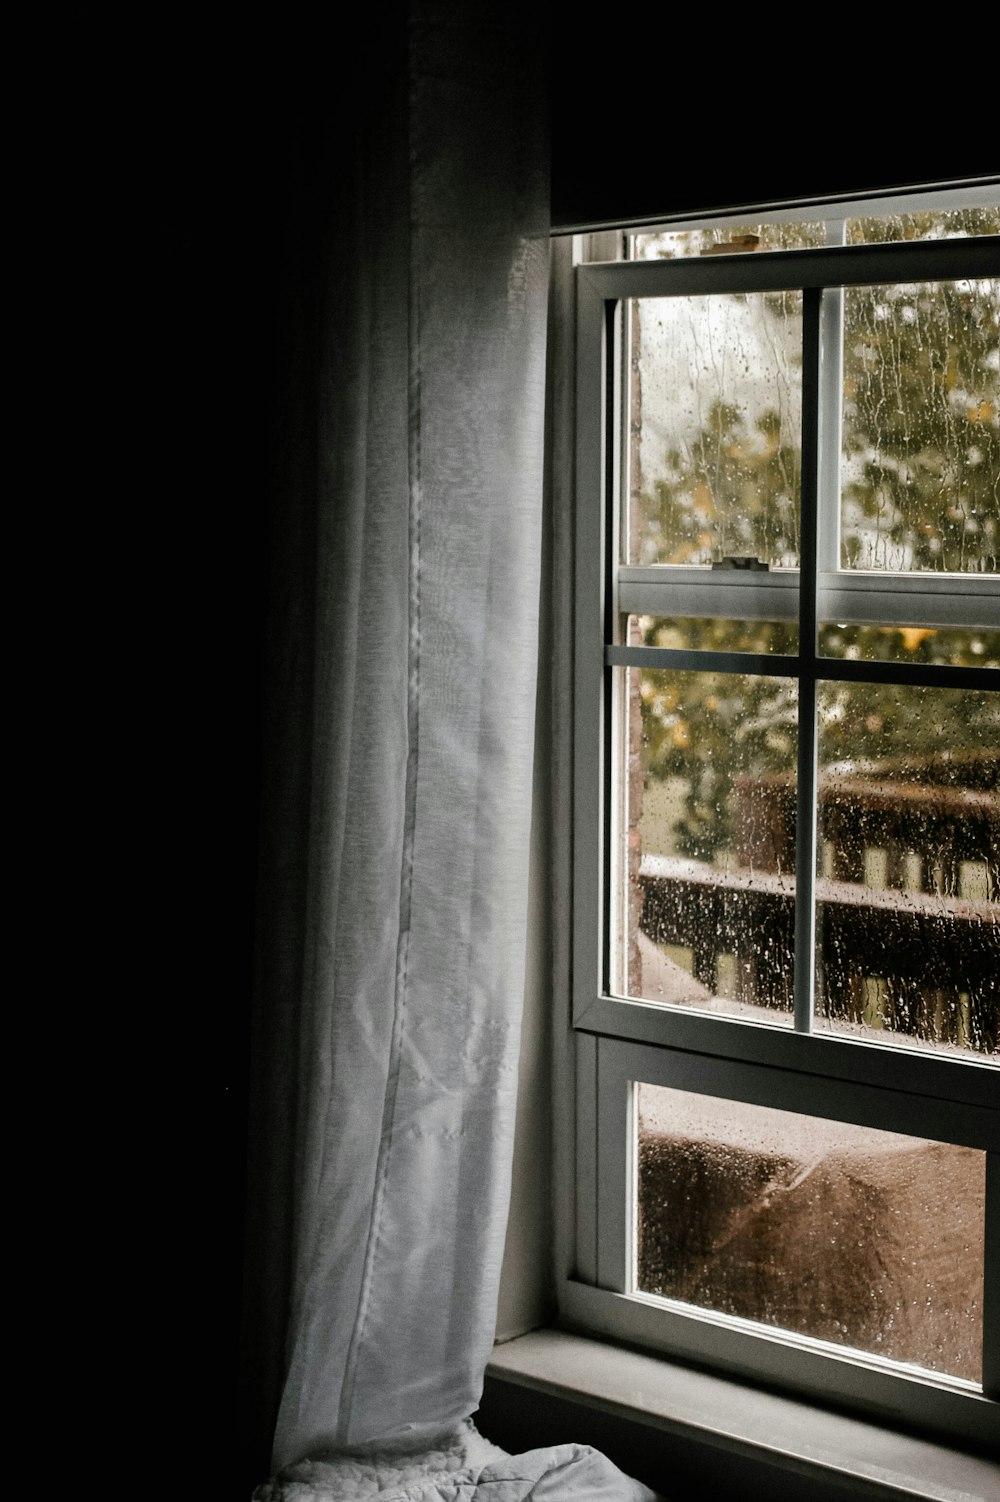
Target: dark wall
(221,152)
(655,117)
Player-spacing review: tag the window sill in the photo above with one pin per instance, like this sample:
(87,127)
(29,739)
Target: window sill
(815,1453)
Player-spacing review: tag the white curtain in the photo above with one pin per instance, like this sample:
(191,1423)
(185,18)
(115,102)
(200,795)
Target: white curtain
(401,689)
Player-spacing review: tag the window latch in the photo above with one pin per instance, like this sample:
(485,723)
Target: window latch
(752,563)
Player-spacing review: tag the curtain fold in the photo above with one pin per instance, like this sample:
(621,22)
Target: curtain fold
(401,693)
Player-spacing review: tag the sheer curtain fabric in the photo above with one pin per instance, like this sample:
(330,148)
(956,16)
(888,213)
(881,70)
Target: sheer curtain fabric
(403,645)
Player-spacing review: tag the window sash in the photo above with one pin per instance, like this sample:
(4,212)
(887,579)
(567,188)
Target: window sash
(780,594)
(850,596)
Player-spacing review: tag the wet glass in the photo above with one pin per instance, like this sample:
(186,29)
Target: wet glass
(908,892)
(708,841)
(697,634)
(925,224)
(729,239)
(950,646)
(920,460)
(866,1239)
(870,229)
(714,453)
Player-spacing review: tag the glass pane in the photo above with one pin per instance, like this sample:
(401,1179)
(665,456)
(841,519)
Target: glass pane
(908,924)
(714,453)
(730,239)
(956,647)
(727,239)
(695,634)
(920,481)
(933,224)
(867,1239)
(708,841)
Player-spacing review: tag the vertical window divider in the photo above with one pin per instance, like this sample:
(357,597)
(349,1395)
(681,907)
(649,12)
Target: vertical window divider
(615,312)
(831,385)
(805,827)
(991,1280)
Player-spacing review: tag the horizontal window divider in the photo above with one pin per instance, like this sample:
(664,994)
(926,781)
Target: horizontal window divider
(904,674)
(761,664)
(832,669)
(872,581)
(828,1097)
(791,270)
(667,576)
(854,607)
(664,576)
(902,1398)
(935,600)
(894,1066)
(708,599)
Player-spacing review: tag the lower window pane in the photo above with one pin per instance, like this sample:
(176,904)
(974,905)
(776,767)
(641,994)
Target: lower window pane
(865,1239)
(908,926)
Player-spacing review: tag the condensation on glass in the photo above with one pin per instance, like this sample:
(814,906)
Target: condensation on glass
(707,841)
(864,1239)
(944,646)
(870,229)
(714,451)
(908,832)
(708,634)
(726,239)
(920,460)
(923,224)
(908,916)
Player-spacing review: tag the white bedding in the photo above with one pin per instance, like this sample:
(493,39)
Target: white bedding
(460,1467)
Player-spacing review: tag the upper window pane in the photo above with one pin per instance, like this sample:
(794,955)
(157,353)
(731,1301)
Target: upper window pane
(924,224)
(714,453)
(730,238)
(726,239)
(920,475)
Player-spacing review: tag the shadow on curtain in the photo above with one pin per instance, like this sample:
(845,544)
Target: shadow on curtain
(398,747)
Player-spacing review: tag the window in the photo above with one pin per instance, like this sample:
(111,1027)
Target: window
(786,905)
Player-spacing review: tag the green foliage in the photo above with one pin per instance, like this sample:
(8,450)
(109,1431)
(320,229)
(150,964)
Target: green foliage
(711,728)
(735,493)
(922,427)
(707,728)
(920,489)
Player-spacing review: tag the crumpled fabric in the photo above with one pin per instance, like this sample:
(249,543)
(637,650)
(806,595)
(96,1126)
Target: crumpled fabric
(460,1467)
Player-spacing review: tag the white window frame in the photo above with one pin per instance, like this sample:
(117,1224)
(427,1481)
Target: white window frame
(616,1042)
